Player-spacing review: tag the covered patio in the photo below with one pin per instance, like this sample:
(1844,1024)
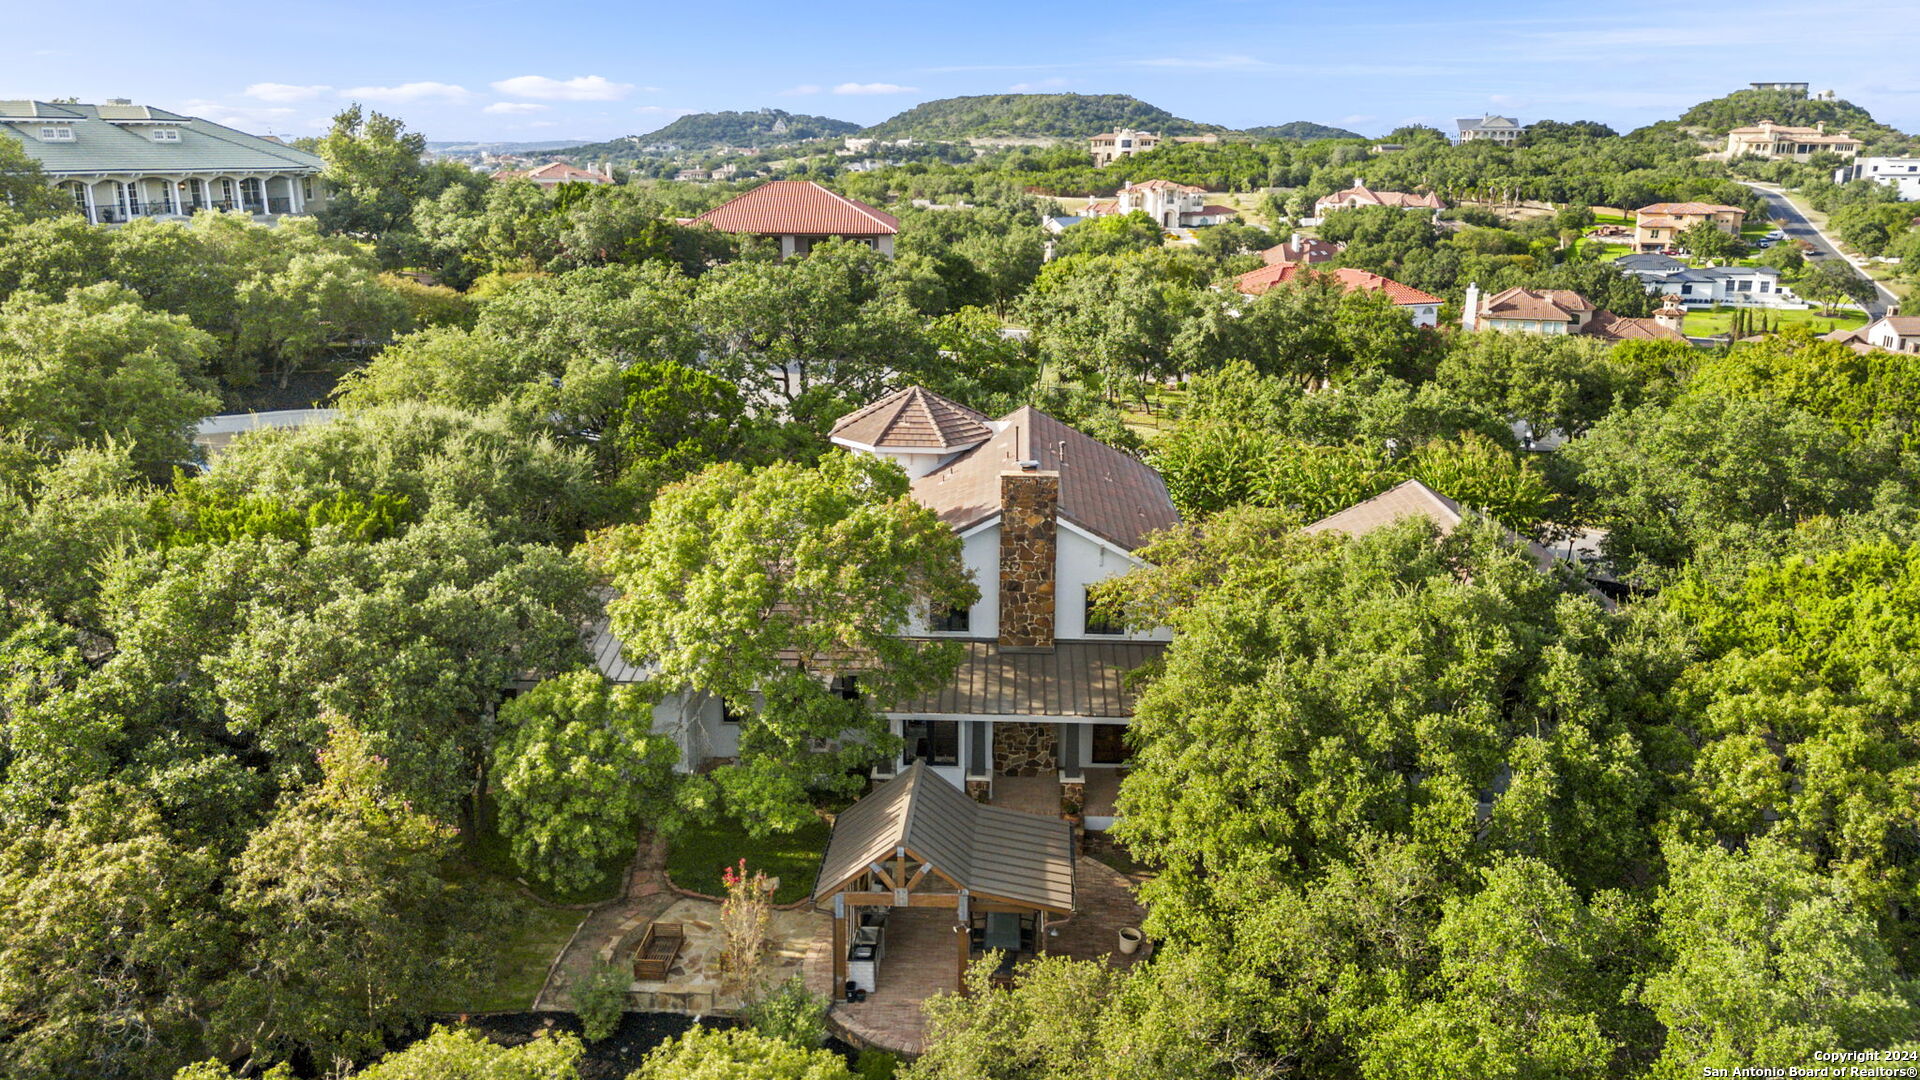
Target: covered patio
(922,881)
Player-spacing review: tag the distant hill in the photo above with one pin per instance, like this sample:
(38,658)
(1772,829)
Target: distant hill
(1302,130)
(474,146)
(708,131)
(1030,116)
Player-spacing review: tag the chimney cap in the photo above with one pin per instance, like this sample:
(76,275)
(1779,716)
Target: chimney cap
(1028,464)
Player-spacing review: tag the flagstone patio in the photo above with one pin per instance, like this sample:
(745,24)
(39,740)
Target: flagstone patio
(693,985)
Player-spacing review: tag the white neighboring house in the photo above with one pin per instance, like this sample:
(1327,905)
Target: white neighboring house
(1109,147)
(1894,333)
(1900,174)
(1747,286)
(1170,205)
(1043,512)
(121,161)
(1504,130)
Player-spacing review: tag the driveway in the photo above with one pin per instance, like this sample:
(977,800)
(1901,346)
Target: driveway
(1799,228)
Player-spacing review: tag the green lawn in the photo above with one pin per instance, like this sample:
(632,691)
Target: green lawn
(1613,219)
(488,851)
(1720,321)
(697,857)
(531,934)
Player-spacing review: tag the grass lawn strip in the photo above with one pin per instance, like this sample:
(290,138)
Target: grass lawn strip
(696,858)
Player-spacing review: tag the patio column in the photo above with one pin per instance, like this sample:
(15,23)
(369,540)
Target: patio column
(93,212)
(839,990)
(962,938)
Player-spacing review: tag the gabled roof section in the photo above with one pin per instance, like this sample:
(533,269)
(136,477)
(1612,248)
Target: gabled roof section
(1110,494)
(36,110)
(798,208)
(1410,498)
(122,144)
(1257,282)
(914,419)
(1692,209)
(1610,327)
(988,850)
(1543,305)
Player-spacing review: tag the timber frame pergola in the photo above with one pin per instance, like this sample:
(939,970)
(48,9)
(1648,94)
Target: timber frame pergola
(919,842)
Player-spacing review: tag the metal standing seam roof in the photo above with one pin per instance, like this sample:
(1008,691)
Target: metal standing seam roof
(100,145)
(914,418)
(990,851)
(1085,679)
(798,208)
(1113,495)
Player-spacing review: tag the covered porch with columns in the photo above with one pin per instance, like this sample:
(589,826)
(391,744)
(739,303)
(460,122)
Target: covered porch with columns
(116,198)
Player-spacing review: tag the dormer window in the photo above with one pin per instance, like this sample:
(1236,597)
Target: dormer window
(166,134)
(56,133)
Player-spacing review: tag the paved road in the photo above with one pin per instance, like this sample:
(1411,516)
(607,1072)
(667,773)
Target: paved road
(1799,228)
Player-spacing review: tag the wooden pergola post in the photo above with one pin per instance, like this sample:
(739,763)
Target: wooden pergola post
(840,913)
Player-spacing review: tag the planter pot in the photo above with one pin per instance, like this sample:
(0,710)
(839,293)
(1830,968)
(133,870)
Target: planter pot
(1130,939)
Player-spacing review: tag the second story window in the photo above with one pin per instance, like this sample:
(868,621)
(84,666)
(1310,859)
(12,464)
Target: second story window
(847,687)
(166,135)
(56,133)
(728,715)
(1097,623)
(953,620)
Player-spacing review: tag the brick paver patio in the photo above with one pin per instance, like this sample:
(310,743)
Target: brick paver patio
(921,958)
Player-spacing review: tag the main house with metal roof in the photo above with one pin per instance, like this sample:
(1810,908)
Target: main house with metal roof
(1037,709)
(121,161)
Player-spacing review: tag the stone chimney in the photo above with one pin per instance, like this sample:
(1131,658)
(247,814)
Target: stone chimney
(1470,308)
(1029,511)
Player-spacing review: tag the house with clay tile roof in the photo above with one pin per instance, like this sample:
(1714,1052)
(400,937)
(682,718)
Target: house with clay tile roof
(1301,249)
(1657,227)
(120,161)
(555,173)
(1170,205)
(800,213)
(1423,308)
(1360,195)
(1044,512)
(1781,141)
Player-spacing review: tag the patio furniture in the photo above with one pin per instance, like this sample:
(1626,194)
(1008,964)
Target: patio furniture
(657,950)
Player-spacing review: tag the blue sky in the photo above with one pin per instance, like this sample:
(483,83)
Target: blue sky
(594,69)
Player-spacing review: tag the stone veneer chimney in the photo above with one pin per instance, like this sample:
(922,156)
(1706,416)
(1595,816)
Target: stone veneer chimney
(1029,509)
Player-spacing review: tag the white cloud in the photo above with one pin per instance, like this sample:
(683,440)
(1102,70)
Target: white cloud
(273,91)
(872,88)
(1042,84)
(514,108)
(800,91)
(246,118)
(578,88)
(406,92)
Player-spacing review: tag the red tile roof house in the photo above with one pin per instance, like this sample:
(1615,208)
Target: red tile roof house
(799,213)
(1422,308)
(1360,195)
(555,173)
(1301,249)
(1038,706)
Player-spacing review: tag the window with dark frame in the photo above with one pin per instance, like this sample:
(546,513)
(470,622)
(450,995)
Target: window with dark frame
(954,620)
(727,715)
(1097,623)
(1109,744)
(847,687)
(937,742)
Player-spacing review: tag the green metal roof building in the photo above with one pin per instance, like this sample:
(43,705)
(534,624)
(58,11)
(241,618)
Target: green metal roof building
(121,161)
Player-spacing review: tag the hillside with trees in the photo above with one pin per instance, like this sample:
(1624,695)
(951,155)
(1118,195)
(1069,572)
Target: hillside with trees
(705,131)
(1303,130)
(1056,116)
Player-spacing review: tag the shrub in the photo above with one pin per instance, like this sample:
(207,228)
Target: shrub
(601,1000)
(876,1065)
(789,1013)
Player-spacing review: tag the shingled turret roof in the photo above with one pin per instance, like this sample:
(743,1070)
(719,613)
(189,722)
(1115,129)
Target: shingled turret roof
(914,419)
